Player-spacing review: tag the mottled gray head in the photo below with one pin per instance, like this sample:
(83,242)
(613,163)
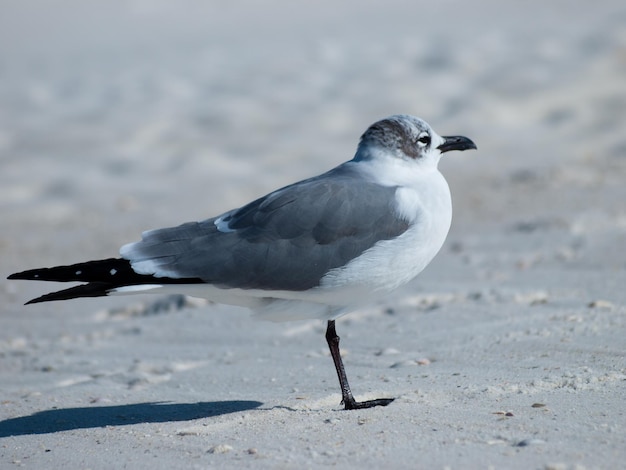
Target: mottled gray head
(408,137)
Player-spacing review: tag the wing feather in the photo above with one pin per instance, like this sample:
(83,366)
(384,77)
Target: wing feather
(287,240)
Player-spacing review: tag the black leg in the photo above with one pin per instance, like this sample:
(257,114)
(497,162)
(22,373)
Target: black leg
(347,398)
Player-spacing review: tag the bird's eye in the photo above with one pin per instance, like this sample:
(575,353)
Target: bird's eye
(423,140)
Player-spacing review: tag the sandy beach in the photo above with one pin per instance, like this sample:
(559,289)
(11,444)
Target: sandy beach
(507,352)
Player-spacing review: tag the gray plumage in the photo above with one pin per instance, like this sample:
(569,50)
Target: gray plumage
(324,244)
(287,240)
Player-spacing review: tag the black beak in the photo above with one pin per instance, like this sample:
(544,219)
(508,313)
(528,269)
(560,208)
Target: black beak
(456,142)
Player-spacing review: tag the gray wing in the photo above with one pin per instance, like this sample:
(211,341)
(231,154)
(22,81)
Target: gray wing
(287,240)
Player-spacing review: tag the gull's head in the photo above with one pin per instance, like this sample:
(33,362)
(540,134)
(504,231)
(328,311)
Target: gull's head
(407,138)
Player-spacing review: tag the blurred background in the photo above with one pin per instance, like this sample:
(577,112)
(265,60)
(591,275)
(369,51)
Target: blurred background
(120,116)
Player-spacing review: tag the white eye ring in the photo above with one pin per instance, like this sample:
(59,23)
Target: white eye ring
(423,140)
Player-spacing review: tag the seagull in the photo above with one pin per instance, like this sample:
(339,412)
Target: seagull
(318,248)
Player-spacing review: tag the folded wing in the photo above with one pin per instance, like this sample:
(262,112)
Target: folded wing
(287,240)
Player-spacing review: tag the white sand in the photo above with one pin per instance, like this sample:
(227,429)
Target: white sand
(508,351)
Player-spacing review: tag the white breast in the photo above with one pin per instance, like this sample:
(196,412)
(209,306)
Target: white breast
(391,263)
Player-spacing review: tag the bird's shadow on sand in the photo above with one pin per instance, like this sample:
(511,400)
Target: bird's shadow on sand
(50,421)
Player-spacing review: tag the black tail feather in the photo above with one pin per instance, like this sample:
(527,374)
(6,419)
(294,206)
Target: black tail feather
(101,276)
(93,289)
(114,270)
